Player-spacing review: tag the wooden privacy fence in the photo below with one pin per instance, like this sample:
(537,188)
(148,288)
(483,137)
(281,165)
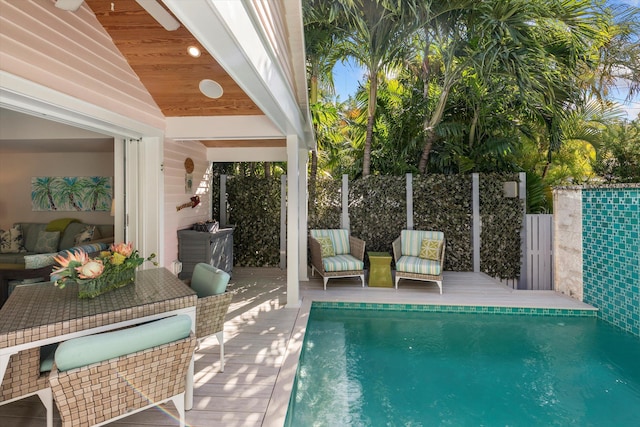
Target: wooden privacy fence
(539,252)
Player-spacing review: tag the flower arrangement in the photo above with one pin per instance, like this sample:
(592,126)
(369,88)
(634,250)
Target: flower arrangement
(110,270)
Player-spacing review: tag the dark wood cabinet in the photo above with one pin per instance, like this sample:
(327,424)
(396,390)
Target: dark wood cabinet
(214,248)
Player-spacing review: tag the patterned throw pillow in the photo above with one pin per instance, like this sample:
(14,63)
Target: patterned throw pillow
(86,235)
(11,240)
(47,242)
(430,249)
(326,246)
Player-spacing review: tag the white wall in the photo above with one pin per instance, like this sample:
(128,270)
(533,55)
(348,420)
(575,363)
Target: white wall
(71,53)
(16,170)
(175,153)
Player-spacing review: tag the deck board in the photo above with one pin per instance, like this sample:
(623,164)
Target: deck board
(258,330)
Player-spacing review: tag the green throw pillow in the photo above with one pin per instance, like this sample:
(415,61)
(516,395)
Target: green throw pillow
(430,249)
(326,246)
(47,242)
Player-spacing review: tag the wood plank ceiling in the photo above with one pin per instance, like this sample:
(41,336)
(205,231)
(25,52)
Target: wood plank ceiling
(160,59)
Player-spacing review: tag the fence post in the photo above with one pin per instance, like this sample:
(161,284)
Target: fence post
(283,222)
(524,265)
(409,201)
(477,221)
(344,220)
(223,200)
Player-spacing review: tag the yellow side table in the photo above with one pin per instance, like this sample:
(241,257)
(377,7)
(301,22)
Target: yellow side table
(380,270)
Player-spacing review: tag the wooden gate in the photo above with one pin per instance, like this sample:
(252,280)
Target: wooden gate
(539,253)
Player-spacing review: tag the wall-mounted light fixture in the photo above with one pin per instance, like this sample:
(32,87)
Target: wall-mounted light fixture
(510,189)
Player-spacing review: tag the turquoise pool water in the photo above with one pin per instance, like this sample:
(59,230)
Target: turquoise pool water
(388,368)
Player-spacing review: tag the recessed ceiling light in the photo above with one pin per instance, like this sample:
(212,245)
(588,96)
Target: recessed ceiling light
(193,51)
(210,88)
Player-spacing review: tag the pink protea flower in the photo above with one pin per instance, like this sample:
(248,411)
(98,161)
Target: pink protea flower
(79,257)
(124,249)
(91,269)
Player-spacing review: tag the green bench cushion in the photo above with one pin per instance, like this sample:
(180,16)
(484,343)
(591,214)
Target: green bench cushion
(414,264)
(78,352)
(208,280)
(342,263)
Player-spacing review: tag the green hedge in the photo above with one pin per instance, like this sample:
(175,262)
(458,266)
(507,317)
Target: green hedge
(254,210)
(443,203)
(378,212)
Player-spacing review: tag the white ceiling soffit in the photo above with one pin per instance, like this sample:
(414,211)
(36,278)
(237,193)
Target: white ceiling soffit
(19,94)
(221,127)
(227,30)
(246,154)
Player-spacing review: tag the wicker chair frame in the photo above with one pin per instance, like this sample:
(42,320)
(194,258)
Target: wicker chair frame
(357,251)
(210,317)
(106,391)
(23,379)
(397,253)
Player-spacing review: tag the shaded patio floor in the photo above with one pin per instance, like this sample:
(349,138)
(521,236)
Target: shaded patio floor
(263,338)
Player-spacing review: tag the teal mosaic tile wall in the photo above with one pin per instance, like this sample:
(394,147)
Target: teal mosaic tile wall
(611,254)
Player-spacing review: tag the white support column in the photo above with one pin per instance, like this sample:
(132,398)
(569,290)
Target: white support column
(223,201)
(477,221)
(283,221)
(344,220)
(524,265)
(293,284)
(409,196)
(303,211)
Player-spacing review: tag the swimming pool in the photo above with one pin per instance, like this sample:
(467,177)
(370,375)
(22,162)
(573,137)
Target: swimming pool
(375,368)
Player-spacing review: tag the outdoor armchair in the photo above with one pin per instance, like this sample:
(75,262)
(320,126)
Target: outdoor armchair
(334,253)
(210,284)
(419,255)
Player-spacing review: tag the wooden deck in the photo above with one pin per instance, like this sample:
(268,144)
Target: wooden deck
(263,339)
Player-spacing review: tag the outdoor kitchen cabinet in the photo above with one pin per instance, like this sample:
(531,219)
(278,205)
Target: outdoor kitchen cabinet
(215,248)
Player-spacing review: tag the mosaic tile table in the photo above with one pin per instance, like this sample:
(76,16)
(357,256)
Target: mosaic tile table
(38,315)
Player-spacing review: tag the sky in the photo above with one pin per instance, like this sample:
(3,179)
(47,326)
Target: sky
(348,76)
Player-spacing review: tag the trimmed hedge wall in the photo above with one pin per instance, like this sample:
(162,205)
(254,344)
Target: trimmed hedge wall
(254,210)
(443,203)
(378,212)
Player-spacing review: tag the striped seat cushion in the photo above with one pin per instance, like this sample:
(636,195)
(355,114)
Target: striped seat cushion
(412,240)
(342,263)
(414,264)
(339,237)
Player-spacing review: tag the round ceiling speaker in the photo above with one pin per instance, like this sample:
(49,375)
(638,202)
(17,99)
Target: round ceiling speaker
(210,88)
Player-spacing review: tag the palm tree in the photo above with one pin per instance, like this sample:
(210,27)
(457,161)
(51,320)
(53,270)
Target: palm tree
(324,35)
(98,191)
(536,44)
(379,32)
(66,190)
(41,193)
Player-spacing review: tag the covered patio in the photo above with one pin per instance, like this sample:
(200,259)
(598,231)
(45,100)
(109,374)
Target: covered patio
(263,340)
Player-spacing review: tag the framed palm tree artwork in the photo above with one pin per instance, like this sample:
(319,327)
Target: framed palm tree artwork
(71,193)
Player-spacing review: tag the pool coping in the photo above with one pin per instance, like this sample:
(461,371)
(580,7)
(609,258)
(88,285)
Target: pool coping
(276,413)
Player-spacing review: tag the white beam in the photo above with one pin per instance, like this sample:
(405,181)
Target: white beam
(221,127)
(247,154)
(230,33)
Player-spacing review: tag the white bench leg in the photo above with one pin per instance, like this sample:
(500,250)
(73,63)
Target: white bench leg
(46,396)
(220,337)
